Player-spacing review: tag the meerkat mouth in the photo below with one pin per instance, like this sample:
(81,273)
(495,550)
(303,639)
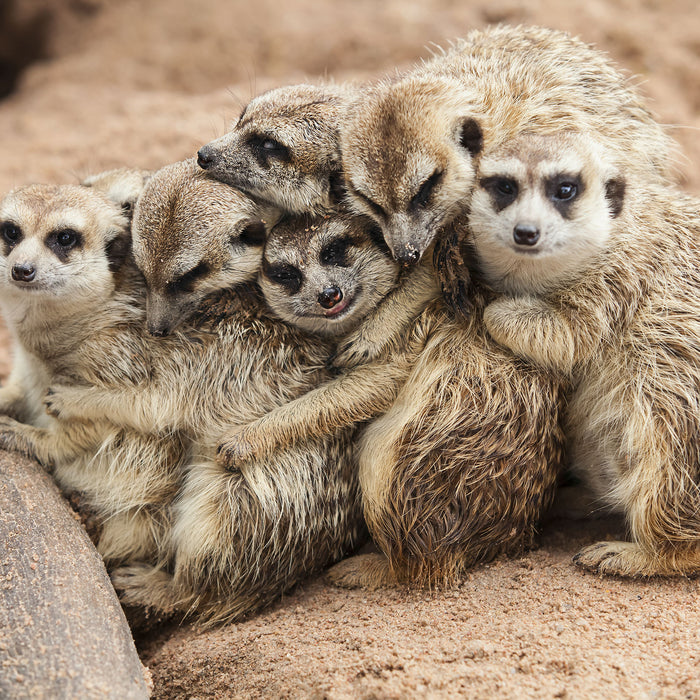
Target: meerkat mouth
(339,309)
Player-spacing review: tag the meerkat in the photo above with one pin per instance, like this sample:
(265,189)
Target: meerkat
(237,540)
(284,148)
(599,270)
(462,452)
(74,304)
(410,144)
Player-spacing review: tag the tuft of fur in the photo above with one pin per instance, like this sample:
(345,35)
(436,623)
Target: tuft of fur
(237,540)
(621,319)
(410,144)
(284,148)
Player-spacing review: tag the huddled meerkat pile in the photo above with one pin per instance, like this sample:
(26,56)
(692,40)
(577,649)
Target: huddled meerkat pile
(402,307)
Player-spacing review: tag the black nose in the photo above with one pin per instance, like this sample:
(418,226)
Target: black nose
(205,157)
(526,234)
(23,273)
(159,331)
(407,255)
(329,297)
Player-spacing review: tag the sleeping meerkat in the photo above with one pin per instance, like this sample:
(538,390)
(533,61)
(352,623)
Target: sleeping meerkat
(602,284)
(409,145)
(284,148)
(464,460)
(74,303)
(238,540)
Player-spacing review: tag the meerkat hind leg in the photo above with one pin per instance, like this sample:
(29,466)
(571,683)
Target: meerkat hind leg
(146,586)
(630,560)
(368,571)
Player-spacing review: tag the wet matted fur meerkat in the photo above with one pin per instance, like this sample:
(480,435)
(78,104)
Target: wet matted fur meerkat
(602,285)
(238,540)
(409,143)
(74,302)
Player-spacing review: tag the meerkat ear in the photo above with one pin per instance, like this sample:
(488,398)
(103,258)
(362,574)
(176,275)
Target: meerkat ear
(118,249)
(253,233)
(615,194)
(336,187)
(123,186)
(471,136)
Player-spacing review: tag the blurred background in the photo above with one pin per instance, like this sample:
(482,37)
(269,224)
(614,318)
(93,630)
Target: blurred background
(87,85)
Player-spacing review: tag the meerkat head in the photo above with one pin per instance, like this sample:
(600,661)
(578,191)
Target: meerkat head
(542,208)
(325,275)
(59,245)
(192,236)
(284,148)
(408,156)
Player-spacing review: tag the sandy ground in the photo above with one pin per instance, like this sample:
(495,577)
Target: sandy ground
(143,84)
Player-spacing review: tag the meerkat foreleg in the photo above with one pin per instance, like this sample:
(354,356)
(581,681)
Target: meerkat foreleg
(532,328)
(392,318)
(361,394)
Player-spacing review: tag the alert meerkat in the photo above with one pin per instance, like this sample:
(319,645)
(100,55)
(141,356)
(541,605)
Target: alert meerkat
(237,540)
(464,460)
(284,148)
(73,302)
(410,144)
(601,280)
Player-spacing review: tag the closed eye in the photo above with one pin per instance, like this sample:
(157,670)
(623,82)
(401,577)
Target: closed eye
(369,202)
(185,282)
(336,252)
(266,147)
(283,274)
(421,198)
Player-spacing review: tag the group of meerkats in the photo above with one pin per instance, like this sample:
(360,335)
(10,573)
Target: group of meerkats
(400,307)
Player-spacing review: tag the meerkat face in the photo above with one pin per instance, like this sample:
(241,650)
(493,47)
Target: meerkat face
(192,236)
(325,275)
(543,207)
(408,159)
(56,244)
(284,149)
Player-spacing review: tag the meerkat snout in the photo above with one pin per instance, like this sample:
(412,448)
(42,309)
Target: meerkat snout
(23,273)
(330,297)
(206,157)
(526,234)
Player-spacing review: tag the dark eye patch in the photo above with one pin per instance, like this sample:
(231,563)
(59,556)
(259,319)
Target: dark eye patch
(503,190)
(562,190)
(11,234)
(185,282)
(266,148)
(336,252)
(422,197)
(62,241)
(285,275)
(369,202)
(377,237)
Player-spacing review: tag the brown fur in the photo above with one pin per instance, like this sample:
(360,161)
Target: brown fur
(490,87)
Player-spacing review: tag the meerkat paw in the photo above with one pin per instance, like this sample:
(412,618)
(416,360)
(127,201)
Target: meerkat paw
(368,571)
(502,318)
(618,559)
(141,585)
(57,402)
(236,449)
(12,437)
(356,351)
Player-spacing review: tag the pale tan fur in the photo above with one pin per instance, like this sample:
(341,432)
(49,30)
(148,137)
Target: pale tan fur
(284,148)
(75,319)
(409,143)
(624,326)
(237,540)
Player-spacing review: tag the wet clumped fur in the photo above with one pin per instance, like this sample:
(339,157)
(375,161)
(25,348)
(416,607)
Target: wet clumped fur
(237,540)
(410,143)
(284,149)
(606,294)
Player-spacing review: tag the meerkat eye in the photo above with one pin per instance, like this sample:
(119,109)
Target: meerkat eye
(336,253)
(566,191)
(11,233)
(420,199)
(379,212)
(503,190)
(285,275)
(266,148)
(67,238)
(185,282)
